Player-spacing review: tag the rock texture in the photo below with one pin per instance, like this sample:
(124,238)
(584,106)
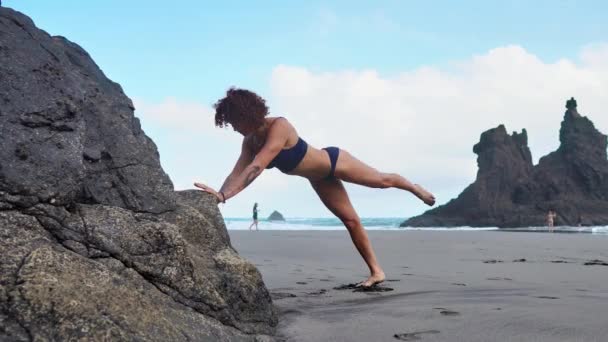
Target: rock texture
(512,192)
(276,216)
(95,242)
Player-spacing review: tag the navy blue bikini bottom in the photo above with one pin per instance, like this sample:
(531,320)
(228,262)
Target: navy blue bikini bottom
(333,158)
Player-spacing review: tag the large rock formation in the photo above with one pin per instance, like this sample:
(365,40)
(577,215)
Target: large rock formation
(276,216)
(94,241)
(511,192)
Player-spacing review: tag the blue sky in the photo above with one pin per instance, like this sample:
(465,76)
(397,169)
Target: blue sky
(191,51)
(195,49)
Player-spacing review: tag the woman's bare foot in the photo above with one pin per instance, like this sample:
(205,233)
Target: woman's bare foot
(424,195)
(374,279)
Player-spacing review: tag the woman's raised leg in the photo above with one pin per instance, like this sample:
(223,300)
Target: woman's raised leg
(352,170)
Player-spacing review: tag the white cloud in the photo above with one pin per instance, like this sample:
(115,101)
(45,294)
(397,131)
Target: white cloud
(175,114)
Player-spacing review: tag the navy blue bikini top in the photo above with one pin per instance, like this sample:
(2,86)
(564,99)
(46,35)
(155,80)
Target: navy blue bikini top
(289,158)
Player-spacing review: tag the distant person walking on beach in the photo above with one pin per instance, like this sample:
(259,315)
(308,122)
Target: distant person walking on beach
(255,217)
(550,218)
(273,142)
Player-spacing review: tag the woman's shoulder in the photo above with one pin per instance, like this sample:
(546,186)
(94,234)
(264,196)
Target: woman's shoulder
(280,122)
(278,119)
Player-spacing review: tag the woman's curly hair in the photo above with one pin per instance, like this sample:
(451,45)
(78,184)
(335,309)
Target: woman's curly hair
(240,105)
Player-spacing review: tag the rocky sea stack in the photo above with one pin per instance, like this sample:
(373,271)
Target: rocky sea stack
(276,216)
(512,192)
(95,242)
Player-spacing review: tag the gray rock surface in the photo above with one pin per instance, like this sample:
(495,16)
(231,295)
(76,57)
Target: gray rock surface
(512,192)
(95,242)
(276,216)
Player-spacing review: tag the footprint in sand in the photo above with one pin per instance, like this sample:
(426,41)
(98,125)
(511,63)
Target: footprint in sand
(560,261)
(317,293)
(547,297)
(459,284)
(596,262)
(324,280)
(281,295)
(414,336)
(447,312)
(520,260)
(301,282)
(393,280)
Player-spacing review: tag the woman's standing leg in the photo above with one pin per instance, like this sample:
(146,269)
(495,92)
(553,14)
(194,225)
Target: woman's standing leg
(335,198)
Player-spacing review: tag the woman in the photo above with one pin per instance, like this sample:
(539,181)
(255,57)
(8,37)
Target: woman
(273,142)
(255,216)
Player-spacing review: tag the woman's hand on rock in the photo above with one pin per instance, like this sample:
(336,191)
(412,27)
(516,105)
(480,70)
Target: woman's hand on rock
(210,190)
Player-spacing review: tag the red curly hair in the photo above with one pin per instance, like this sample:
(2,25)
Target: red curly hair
(242,106)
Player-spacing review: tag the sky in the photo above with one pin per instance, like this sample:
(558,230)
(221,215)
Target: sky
(405,86)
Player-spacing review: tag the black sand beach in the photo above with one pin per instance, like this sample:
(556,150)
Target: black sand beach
(446,286)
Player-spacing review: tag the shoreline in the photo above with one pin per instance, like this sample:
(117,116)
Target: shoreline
(599,230)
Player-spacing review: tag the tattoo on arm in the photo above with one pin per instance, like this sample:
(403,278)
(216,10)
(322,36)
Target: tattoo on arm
(253,174)
(227,182)
(242,183)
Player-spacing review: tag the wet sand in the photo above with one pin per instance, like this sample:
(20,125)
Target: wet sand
(441,286)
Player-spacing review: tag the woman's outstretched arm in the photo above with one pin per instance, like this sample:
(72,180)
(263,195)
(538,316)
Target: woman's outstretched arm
(275,141)
(245,158)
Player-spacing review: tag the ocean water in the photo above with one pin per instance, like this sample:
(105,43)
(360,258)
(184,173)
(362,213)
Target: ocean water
(380,223)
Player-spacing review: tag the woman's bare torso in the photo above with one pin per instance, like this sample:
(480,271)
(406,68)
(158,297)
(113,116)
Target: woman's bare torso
(315,164)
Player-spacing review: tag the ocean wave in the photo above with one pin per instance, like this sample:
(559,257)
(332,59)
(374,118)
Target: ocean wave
(600,230)
(323,223)
(298,223)
(386,223)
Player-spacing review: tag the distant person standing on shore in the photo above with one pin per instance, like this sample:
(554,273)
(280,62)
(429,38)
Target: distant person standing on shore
(551,219)
(255,216)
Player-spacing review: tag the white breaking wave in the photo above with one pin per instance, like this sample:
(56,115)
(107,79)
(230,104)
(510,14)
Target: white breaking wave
(385,224)
(599,230)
